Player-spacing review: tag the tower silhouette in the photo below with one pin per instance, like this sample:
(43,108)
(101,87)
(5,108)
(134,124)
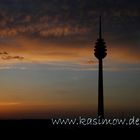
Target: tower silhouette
(100,54)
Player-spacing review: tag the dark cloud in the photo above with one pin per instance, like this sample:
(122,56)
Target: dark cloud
(12,57)
(7,56)
(3,53)
(91,62)
(69,18)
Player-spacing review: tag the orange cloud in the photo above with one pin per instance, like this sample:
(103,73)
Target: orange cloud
(36,51)
(9,103)
(124,54)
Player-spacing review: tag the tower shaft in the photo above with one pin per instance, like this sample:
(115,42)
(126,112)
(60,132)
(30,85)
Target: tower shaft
(100,90)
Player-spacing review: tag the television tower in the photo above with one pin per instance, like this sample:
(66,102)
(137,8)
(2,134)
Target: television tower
(100,54)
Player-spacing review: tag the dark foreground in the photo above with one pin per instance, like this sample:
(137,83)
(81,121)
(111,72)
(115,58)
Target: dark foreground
(40,129)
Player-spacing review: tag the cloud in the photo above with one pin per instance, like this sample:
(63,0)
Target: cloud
(90,62)
(12,57)
(3,53)
(45,19)
(65,55)
(9,103)
(124,54)
(65,31)
(5,56)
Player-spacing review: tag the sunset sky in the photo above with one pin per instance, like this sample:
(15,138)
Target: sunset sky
(47,63)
